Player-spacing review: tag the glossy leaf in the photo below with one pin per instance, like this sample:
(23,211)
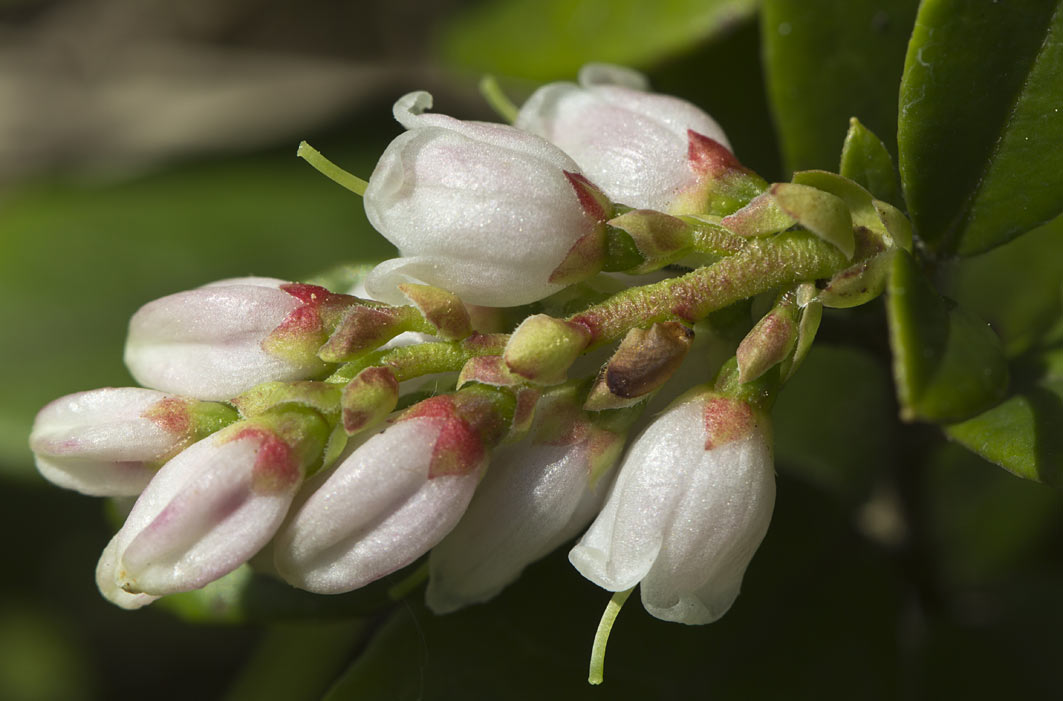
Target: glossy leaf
(827,61)
(981,121)
(1023,434)
(1018,287)
(947,364)
(551,39)
(866,160)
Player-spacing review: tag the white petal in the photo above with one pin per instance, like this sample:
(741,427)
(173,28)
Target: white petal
(207,343)
(199,519)
(101,443)
(377,512)
(714,534)
(108,586)
(523,506)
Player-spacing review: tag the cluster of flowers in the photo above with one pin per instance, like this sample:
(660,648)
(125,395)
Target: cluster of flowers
(268,420)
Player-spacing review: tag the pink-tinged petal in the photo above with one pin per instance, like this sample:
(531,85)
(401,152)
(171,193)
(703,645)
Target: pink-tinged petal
(690,506)
(216,504)
(482,210)
(631,143)
(537,494)
(108,584)
(377,512)
(527,498)
(111,441)
(209,343)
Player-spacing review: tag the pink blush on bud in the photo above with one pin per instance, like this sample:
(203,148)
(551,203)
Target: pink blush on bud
(171,415)
(275,469)
(708,156)
(458,450)
(727,420)
(308,294)
(590,198)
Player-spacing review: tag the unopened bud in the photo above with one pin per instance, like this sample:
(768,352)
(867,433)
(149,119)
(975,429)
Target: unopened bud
(219,340)
(644,361)
(369,398)
(441,309)
(111,441)
(768,343)
(542,348)
(366,327)
(213,506)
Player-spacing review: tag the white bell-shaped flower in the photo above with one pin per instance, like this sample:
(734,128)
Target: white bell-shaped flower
(537,494)
(212,507)
(111,441)
(384,506)
(486,211)
(635,145)
(691,504)
(219,340)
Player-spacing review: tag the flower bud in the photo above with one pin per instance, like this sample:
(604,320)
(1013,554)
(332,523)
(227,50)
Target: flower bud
(536,495)
(542,348)
(634,144)
(213,506)
(386,504)
(485,211)
(644,361)
(217,341)
(769,342)
(111,441)
(692,502)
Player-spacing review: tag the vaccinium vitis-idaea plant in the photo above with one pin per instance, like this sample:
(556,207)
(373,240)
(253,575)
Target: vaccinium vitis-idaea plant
(510,451)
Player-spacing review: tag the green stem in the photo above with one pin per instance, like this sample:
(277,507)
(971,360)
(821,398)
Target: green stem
(498,100)
(596,674)
(763,264)
(408,362)
(760,265)
(710,237)
(330,170)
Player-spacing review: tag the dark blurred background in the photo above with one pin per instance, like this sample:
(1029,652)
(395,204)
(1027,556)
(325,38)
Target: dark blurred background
(147,147)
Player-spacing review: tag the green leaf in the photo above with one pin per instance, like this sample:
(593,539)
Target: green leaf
(981,121)
(827,61)
(1018,288)
(866,160)
(1023,434)
(947,364)
(824,214)
(551,39)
